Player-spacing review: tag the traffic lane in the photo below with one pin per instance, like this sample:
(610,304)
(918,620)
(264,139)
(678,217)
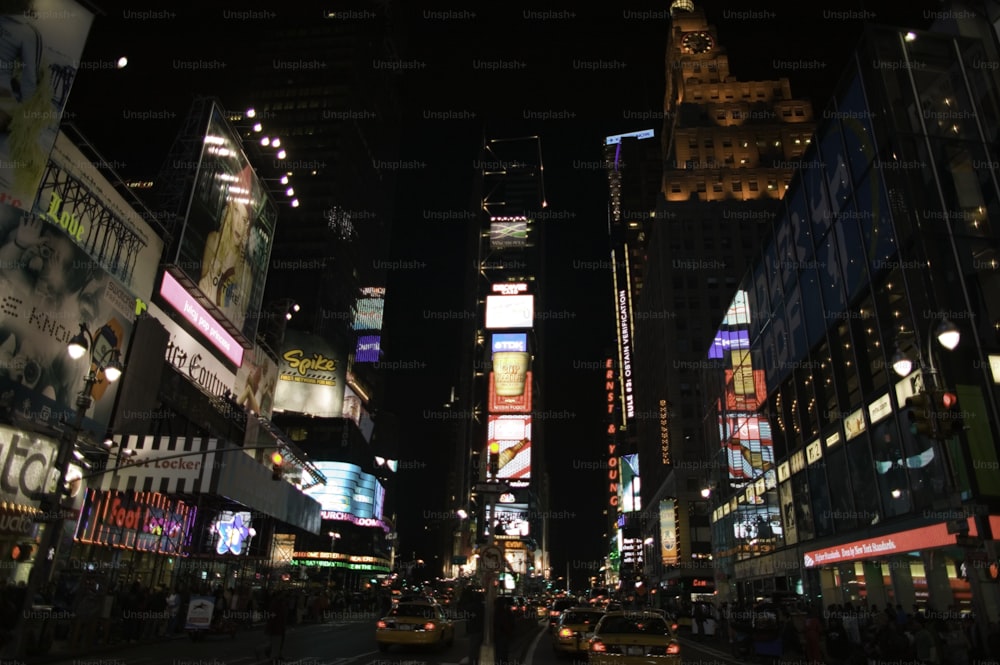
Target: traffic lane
(693,652)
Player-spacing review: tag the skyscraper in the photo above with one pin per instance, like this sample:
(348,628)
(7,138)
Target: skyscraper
(729,149)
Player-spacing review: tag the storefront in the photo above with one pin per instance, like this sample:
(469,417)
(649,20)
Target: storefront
(132,536)
(923,566)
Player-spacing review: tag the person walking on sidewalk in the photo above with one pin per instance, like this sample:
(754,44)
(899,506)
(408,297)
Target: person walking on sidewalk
(503,631)
(473,609)
(274,629)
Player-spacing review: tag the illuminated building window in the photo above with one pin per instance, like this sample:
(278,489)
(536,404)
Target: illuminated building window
(753,185)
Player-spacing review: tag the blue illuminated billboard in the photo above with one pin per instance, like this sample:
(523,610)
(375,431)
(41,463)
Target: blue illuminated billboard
(348,490)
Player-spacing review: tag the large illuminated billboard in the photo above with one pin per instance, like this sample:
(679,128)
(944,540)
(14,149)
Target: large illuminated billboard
(348,490)
(368,349)
(225,243)
(516,311)
(513,434)
(508,403)
(368,314)
(77,197)
(511,521)
(41,42)
(256,380)
(49,285)
(311,376)
(508,233)
(509,342)
(629,486)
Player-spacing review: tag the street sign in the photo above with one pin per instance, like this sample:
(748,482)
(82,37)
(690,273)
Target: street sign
(491,558)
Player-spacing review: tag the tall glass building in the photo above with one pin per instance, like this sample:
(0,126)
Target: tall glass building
(830,480)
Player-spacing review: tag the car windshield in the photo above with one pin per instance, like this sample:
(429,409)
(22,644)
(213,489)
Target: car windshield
(582,617)
(422,611)
(560,605)
(636,625)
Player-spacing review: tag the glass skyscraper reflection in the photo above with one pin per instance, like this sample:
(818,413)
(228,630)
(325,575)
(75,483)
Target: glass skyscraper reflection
(883,237)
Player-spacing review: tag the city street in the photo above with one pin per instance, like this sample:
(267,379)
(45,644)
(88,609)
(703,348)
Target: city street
(344,643)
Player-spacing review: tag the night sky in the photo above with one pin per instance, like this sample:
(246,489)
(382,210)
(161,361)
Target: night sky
(572,77)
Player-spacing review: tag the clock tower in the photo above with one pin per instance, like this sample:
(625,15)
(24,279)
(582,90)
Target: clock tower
(724,138)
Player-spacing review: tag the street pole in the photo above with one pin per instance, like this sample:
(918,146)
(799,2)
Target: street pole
(52,515)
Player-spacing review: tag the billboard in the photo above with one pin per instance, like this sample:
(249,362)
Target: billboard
(74,195)
(513,433)
(311,376)
(140,521)
(48,286)
(508,233)
(225,243)
(510,311)
(509,342)
(348,490)
(668,533)
(41,42)
(368,349)
(187,355)
(510,403)
(184,303)
(255,382)
(368,314)
(749,446)
(630,500)
(511,521)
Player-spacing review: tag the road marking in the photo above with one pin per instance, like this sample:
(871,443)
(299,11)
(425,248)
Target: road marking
(534,645)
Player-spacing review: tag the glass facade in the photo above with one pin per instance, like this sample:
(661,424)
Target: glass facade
(883,234)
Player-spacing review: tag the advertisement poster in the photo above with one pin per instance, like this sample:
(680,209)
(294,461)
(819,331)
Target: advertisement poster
(41,42)
(255,382)
(348,490)
(311,376)
(229,229)
(513,434)
(668,533)
(48,287)
(74,195)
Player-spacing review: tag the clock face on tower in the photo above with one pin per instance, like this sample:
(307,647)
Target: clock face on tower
(697,42)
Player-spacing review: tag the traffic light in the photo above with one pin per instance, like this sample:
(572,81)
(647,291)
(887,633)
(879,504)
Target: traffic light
(949,418)
(277,465)
(921,414)
(494,458)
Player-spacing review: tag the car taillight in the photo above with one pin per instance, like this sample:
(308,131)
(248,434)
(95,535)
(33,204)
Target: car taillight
(673,649)
(673,627)
(598,646)
(381,624)
(565,632)
(429,625)
(553,613)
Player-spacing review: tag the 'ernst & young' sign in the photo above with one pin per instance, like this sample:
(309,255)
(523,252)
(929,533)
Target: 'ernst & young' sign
(192,359)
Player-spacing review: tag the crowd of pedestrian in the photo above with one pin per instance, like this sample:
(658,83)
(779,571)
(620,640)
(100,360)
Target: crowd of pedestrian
(845,634)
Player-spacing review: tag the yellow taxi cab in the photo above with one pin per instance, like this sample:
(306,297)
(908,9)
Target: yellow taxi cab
(415,624)
(640,637)
(574,629)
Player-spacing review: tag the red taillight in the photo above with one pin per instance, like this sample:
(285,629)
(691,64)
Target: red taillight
(673,627)
(429,625)
(553,613)
(565,632)
(598,646)
(673,649)
(381,624)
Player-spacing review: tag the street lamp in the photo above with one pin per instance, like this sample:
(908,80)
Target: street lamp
(104,364)
(948,336)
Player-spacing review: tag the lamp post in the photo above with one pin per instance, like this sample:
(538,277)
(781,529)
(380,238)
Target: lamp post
(104,364)
(333,550)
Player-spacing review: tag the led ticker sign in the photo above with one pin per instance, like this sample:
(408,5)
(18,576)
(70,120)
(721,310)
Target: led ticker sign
(178,298)
(901,542)
(639,135)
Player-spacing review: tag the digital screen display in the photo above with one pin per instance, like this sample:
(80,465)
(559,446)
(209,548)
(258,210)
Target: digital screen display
(348,490)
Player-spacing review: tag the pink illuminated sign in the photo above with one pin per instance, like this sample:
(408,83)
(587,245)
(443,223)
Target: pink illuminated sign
(181,300)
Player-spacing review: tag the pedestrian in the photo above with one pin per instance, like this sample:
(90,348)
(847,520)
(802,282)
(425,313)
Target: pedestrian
(503,631)
(473,609)
(274,629)
(813,637)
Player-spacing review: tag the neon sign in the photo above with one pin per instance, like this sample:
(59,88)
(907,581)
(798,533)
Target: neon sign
(233,532)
